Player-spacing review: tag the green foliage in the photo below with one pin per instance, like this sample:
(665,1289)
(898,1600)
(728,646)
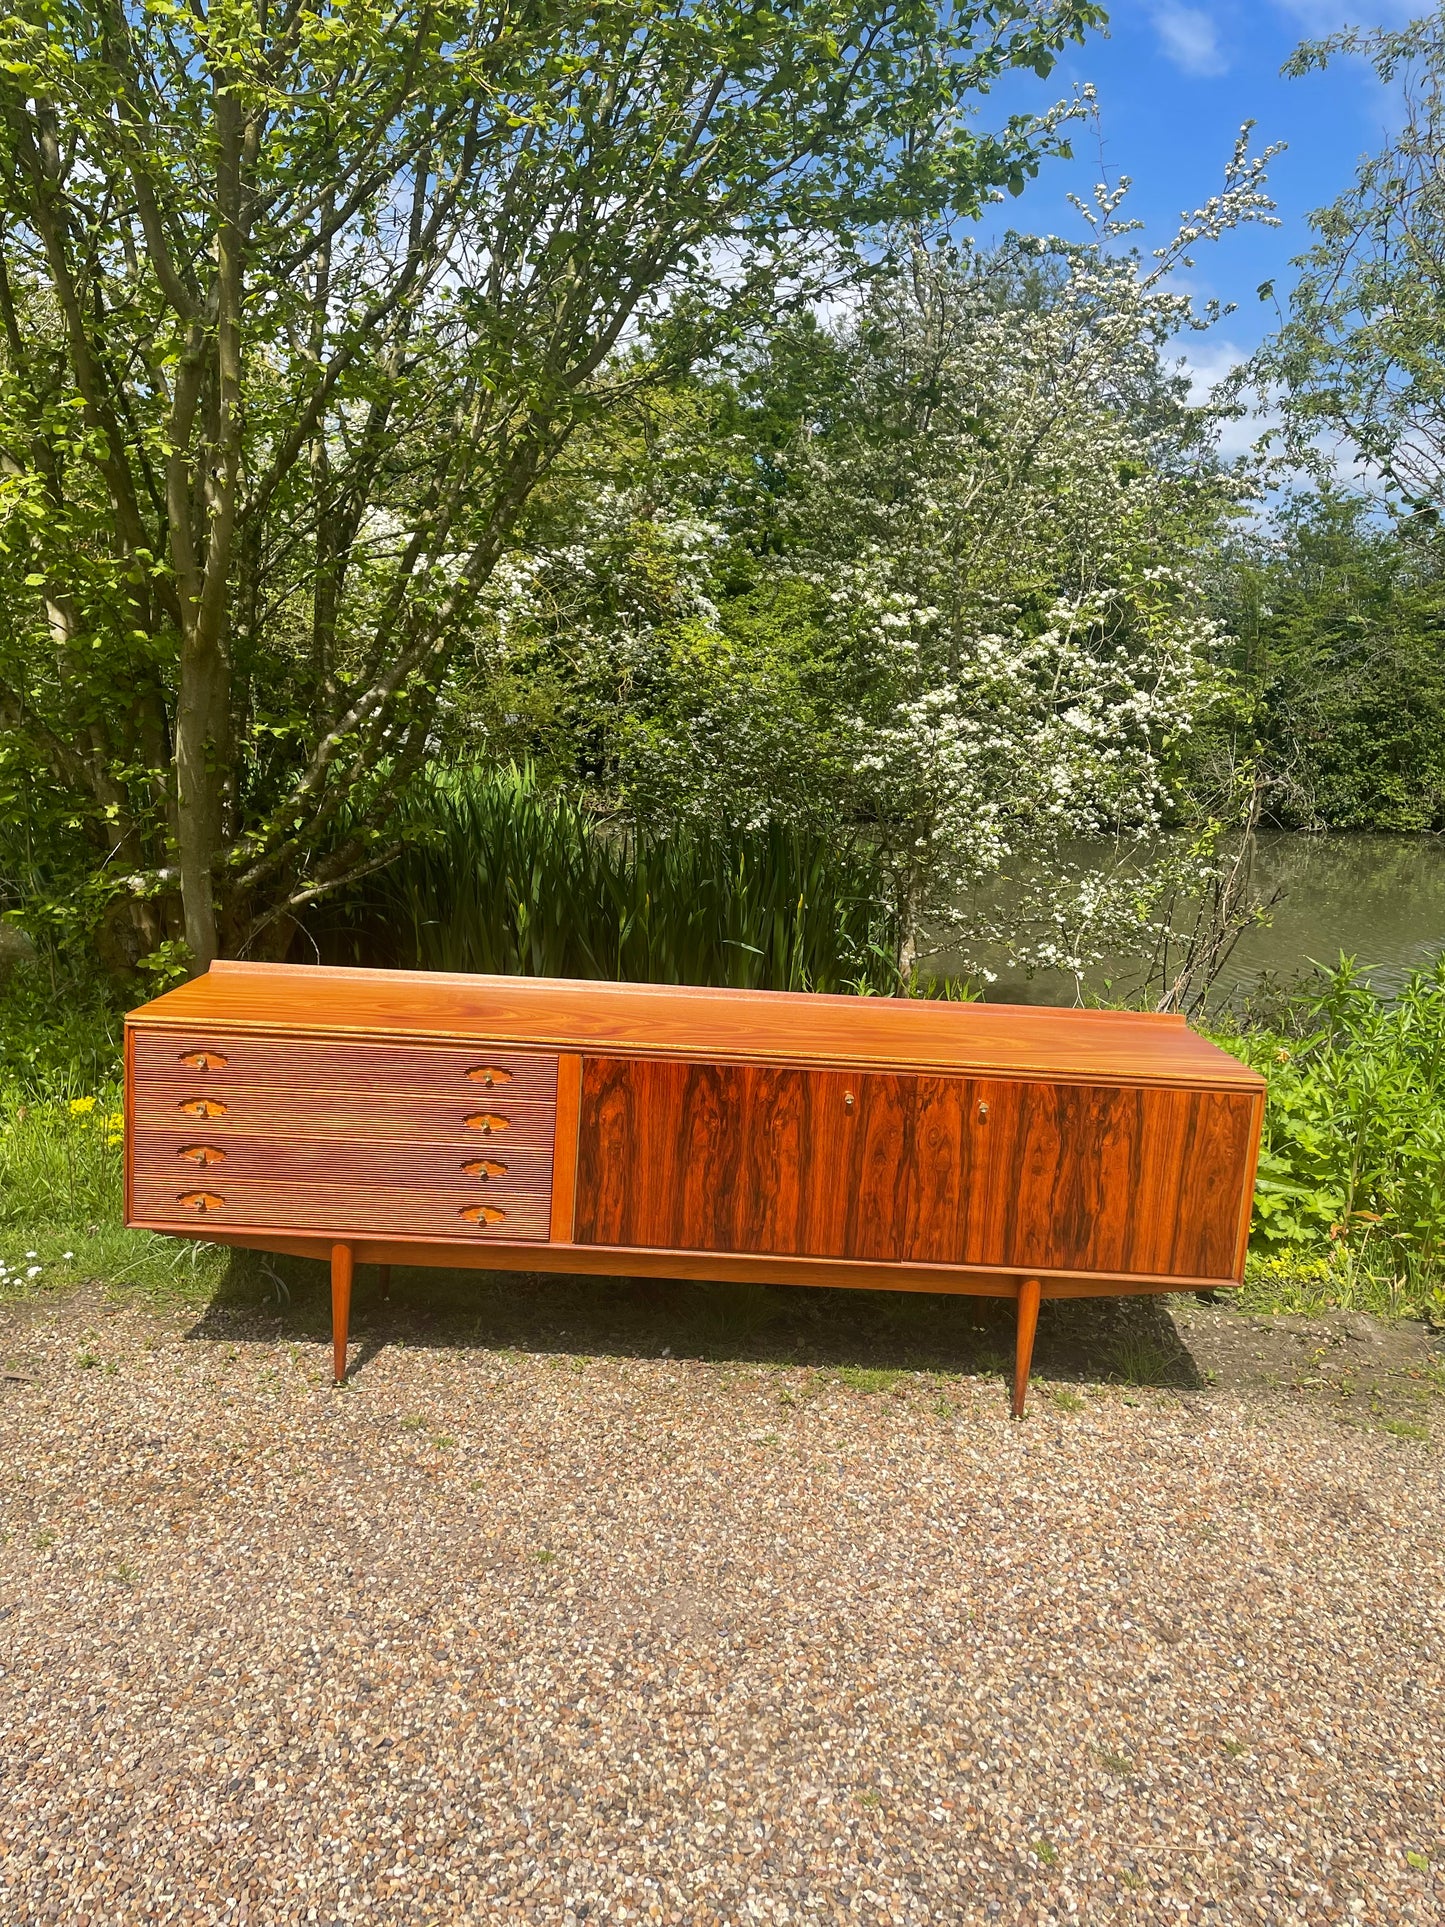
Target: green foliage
(60,1160)
(298,306)
(501,874)
(1338,629)
(1352,1167)
(60,1029)
(1362,354)
(61,1196)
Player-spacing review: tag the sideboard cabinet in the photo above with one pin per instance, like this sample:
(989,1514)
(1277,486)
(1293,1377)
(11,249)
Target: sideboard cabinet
(641,1129)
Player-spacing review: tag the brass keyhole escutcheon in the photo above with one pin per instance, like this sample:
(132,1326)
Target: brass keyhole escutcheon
(487,1121)
(982,1113)
(201,1154)
(847,1100)
(484,1168)
(202,1107)
(481,1214)
(489,1074)
(202,1201)
(204,1060)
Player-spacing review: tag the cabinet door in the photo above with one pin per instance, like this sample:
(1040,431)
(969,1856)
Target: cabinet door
(1120,1180)
(733,1157)
(1116,1180)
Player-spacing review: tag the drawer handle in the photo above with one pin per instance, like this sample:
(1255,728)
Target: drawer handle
(481,1214)
(202,1201)
(485,1168)
(489,1074)
(202,1107)
(487,1121)
(201,1154)
(204,1060)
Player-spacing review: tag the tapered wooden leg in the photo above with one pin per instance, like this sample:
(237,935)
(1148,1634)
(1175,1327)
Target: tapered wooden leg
(384,1273)
(1028,1323)
(341,1269)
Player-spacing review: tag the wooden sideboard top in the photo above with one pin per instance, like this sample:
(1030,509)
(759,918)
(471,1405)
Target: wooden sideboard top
(750,1026)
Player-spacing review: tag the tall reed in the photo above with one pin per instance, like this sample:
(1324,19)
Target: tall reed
(498,873)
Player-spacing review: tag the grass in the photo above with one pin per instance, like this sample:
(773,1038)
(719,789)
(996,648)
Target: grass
(61,1189)
(500,874)
(1140,1360)
(867,1378)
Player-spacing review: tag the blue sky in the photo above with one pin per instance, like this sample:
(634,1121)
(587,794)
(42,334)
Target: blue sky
(1174,83)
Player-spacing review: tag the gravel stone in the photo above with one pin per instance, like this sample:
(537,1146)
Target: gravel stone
(536,1638)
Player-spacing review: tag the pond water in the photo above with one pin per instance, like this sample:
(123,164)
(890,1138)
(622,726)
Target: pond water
(1380,899)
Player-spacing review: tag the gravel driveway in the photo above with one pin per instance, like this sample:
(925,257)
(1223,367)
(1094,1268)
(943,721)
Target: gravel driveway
(503,1636)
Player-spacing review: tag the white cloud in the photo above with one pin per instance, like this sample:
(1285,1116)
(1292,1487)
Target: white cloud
(1189,39)
(1209,363)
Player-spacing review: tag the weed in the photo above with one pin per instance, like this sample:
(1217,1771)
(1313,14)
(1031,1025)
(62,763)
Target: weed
(87,1361)
(1130,1879)
(1236,1749)
(1419,1861)
(1047,1852)
(869,1799)
(442,1442)
(867,1378)
(124,1575)
(1066,1400)
(544,1557)
(413,1425)
(1118,1763)
(1402,1428)
(1141,1360)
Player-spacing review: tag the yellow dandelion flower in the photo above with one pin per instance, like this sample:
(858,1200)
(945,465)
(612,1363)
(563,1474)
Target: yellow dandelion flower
(80,1105)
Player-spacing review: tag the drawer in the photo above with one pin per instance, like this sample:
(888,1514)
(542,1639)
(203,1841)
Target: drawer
(342,1210)
(200,1158)
(167,1060)
(222,1110)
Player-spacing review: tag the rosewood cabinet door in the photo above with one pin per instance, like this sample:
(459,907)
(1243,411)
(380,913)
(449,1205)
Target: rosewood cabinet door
(1119,1180)
(732,1157)
(1115,1180)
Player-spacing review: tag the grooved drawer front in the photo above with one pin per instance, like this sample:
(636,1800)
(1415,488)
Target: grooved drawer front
(344,1209)
(215,1159)
(279,1063)
(344,1116)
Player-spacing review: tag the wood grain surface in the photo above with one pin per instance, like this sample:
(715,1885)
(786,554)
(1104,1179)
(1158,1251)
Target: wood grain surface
(995,1172)
(672,1021)
(176,1158)
(499,1253)
(338,1115)
(338,1209)
(310,1064)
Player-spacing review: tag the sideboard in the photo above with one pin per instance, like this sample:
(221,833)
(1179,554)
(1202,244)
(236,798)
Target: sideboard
(371,1116)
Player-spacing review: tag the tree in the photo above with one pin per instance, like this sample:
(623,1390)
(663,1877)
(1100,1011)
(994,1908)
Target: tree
(946,580)
(1361,359)
(1338,624)
(299,307)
